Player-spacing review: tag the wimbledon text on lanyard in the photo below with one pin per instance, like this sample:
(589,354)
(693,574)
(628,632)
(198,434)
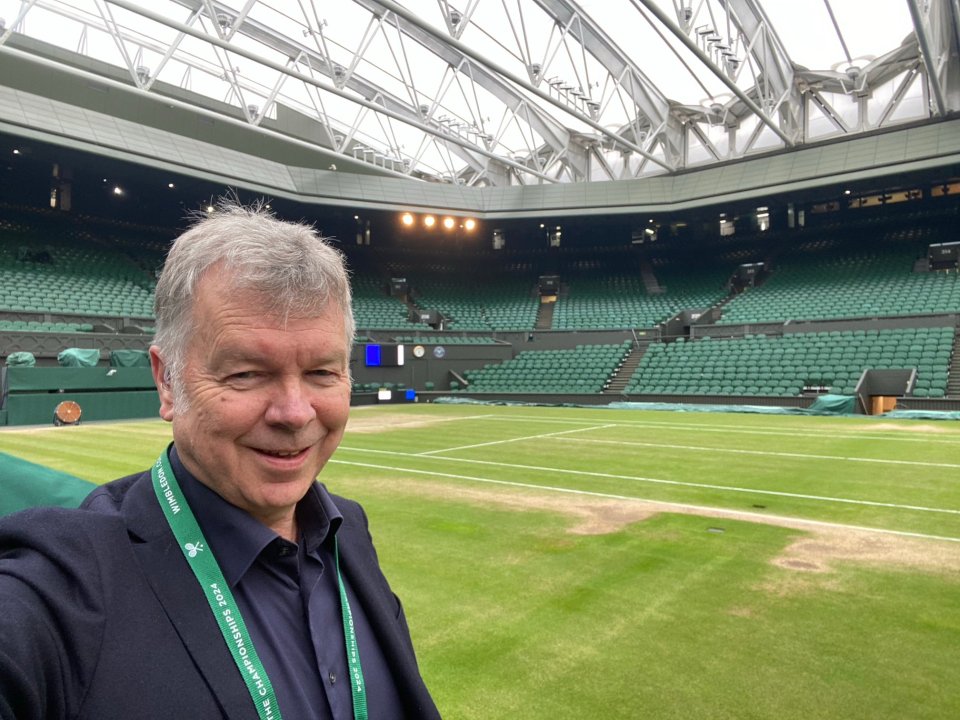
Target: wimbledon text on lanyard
(224,608)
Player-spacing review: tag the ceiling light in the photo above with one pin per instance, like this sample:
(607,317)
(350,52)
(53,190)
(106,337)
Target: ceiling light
(407,219)
(429,221)
(469,224)
(449,223)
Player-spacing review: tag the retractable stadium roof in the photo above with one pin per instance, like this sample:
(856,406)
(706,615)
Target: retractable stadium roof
(513,92)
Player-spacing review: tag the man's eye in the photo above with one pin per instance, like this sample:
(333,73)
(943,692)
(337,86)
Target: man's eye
(322,374)
(245,375)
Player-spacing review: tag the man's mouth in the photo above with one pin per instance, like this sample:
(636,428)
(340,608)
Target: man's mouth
(282,453)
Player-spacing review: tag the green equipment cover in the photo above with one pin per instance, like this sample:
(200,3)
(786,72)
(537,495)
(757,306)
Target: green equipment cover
(79,357)
(129,358)
(21,359)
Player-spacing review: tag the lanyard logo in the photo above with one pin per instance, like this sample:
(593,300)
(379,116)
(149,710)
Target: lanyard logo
(193,548)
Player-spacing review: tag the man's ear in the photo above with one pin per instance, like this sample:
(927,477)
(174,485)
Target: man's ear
(161,378)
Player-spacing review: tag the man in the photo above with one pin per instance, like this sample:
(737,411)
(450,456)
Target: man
(225,582)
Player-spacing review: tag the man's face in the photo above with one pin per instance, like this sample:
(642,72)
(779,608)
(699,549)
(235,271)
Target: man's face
(266,401)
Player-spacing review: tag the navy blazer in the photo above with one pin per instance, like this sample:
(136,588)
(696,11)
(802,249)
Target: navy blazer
(102,618)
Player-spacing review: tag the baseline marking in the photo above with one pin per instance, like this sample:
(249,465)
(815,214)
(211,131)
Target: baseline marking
(661,481)
(837,432)
(517,439)
(802,456)
(611,496)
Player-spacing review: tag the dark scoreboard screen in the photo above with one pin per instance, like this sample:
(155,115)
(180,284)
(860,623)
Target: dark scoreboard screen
(383,355)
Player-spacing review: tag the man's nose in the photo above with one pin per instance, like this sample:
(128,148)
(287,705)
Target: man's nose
(290,405)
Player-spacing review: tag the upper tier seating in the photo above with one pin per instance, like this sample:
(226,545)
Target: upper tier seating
(444,340)
(846,285)
(502,305)
(52,277)
(621,301)
(373,309)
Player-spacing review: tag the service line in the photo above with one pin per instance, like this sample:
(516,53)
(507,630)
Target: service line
(517,439)
(658,481)
(697,508)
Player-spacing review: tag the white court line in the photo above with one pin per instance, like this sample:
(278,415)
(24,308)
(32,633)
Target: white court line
(660,481)
(700,508)
(802,456)
(833,433)
(516,439)
(417,421)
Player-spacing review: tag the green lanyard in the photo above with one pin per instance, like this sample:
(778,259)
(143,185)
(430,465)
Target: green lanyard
(185,529)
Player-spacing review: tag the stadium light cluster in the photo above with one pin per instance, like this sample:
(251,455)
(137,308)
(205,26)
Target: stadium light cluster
(449,223)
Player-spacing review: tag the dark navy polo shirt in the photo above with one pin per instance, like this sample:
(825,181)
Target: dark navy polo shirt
(289,598)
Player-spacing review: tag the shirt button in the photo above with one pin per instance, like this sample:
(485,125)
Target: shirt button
(333,678)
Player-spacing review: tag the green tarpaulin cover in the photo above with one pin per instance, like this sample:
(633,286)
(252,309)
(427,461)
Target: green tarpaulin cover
(824,405)
(129,358)
(79,357)
(21,359)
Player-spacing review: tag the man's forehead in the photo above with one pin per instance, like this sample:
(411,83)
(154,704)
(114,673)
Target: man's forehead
(300,342)
(220,290)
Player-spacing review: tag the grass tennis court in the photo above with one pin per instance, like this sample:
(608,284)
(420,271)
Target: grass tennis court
(571,563)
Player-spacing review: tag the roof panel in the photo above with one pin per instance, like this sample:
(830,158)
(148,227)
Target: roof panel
(520,83)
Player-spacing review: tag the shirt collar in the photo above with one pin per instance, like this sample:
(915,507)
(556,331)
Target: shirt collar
(236,538)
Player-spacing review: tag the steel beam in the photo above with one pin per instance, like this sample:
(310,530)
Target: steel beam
(377,107)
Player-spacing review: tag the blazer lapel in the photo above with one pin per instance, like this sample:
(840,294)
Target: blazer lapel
(176,588)
(364,575)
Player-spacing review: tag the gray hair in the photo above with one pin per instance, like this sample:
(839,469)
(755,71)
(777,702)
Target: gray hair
(295,270)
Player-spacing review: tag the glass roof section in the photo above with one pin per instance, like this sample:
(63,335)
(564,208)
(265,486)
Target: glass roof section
(497,92)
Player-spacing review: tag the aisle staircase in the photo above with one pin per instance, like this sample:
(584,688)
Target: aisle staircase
(621,377)
(545,315)
(650,282)
(953,379)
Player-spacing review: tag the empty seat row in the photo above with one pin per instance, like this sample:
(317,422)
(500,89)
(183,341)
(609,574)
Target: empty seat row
(785,365)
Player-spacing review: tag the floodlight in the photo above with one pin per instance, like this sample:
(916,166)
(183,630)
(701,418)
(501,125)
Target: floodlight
(449,223)
(429,221)
(469,224)
(407,219)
